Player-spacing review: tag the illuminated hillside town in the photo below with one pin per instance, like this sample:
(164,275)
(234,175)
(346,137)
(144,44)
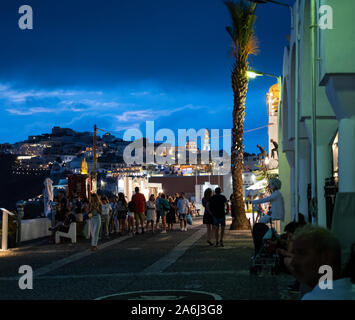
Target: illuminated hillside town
(207,160)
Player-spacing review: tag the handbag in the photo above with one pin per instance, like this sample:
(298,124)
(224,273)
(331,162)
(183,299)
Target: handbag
(189,219)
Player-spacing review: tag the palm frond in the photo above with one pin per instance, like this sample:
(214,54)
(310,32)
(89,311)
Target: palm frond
(241,30)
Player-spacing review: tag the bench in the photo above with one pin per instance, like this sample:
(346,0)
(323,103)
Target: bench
(70,234)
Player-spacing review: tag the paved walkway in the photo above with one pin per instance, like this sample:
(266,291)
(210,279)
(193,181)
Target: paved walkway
(166,262)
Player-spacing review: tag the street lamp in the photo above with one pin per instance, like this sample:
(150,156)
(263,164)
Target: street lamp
(253,74)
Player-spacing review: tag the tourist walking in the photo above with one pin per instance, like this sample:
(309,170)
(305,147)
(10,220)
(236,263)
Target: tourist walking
(151,215)
(207,216)
(95,211)
(165,207)
(139,201)
(105,217)
(219,207)
(183,208)
(171,216)
(122,209)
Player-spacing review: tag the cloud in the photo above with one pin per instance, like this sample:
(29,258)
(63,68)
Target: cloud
(139,94)
(138,115)
(32,111)
(19,96)
(91,103)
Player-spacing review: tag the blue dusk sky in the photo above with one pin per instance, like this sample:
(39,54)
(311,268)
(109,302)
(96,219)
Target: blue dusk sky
(119,63)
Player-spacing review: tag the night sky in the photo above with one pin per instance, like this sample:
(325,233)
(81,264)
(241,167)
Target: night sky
(118,63)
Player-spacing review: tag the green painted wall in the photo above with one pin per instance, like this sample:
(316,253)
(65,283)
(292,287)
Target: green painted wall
(337,46)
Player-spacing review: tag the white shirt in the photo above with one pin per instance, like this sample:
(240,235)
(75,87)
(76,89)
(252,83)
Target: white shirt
(106,209)
(343,289)
(183,206)
(278,207)
(150,206)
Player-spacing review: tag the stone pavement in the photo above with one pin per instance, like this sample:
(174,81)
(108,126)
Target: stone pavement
(166,263)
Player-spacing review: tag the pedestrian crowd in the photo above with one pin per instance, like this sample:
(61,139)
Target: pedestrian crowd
(306,251)
(104,216)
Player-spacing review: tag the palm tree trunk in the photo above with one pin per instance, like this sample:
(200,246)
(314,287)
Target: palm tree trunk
(240,87)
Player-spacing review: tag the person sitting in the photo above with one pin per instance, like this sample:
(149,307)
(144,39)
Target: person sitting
(315,251)
(64,225)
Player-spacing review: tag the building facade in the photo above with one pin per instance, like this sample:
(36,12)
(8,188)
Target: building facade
(317,116)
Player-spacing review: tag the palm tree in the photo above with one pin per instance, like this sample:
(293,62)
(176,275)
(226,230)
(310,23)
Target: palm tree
(244,44)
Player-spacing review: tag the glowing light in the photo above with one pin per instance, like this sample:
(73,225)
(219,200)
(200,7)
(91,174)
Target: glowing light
(252,74)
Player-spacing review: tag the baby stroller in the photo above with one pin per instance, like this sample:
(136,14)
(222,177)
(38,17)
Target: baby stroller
(265,258)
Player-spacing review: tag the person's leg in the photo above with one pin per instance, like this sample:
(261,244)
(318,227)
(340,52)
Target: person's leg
(95,230)
(216,233)
(222,234)
(208,234)
(142,217)
(117,224)
(120,226)
(164,222)
(99,228)
(136,217)
(157,220)
(107,225)
(92,231)
(102,229)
